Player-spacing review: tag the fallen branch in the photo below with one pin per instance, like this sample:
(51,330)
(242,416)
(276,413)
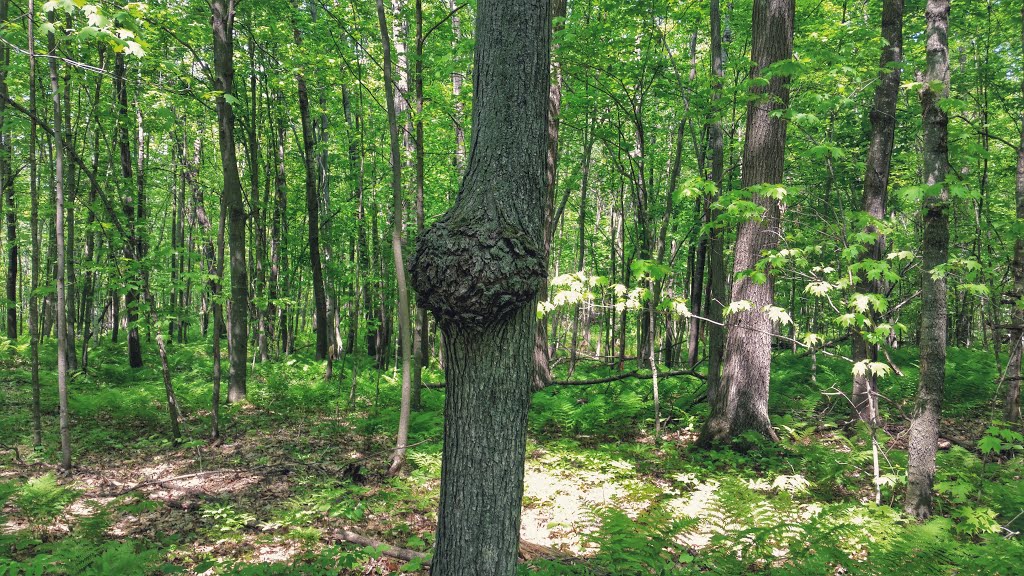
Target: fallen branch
(17,453)
(159,481)
(386,549)
(625,375)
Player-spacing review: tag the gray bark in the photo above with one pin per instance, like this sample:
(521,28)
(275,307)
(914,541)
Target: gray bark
(404,321)
(1011,409)
(491,243)
(716,243)
(313,215)
(741,402)
(7,190)
(128,202)
(61,312)
(924,424)
(224,71)
(876,188)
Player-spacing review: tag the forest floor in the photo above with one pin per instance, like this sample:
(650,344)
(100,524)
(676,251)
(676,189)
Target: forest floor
(300,471)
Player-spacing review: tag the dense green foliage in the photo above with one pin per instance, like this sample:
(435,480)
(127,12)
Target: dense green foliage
(614,482)
(800,507)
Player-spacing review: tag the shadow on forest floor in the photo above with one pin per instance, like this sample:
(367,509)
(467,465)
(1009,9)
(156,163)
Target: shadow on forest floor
(299,469)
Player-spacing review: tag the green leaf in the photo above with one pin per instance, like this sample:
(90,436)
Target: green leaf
(990,444)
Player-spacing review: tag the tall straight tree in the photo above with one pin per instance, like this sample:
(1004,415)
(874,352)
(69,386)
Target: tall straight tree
(876,189)
(33,175)
(312,213)
(924,424)
(404,320)
(130,196)
(542,354)
(741,401)
(1011,409)
(7,188)
(61,312)
(479,269)
(716,242)
(224,80)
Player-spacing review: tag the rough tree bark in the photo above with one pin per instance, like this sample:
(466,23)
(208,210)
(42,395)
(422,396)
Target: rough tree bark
(479,269)
(128,200)
(741,402)
(716,241)
(224,71)
(924,424)
(313,214)
(876,188)
(542,353)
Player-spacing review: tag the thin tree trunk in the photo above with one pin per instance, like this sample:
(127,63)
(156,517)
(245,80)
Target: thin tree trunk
(1011,409)
(741,403)
(7,188)
(542,353)
(876,187)
(313,216)
(128,200)
(218,327)
(165,371)
(33,299)
(924,424)
(588,146)
(421,352)
(479,269)
(404,321)
(61,312)
(224,70)
(717,290)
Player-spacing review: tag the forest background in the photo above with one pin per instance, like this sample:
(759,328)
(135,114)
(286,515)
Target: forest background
(818,340)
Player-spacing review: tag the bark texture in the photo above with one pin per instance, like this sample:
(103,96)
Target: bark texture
(876,189)
(313,214)
(741,400)
(924,425)
(7,189)
(716,241)
(224,71)
(128,204)
(478,269)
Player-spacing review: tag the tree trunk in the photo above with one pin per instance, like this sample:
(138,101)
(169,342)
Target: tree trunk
(404,322)
(542,353)
(716,236)
(421,352)
(924,424)
(313,216)
(128,200)
(876,187)
(588,146)
(218,327)
(7,189)
(33,299)
(1011,409)
(741,403)
(62,334)
(479,269)
(224,70)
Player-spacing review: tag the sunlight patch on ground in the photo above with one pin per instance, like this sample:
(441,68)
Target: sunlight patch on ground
(558,502)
